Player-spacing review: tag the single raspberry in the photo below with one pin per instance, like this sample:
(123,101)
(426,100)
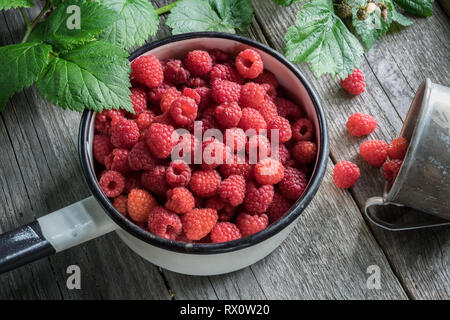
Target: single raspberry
(288,109)
(361,124)
(178,174)
(117,160)
(232,189)
(249,64)
(284,129)
(121,204)
(198,223)
(144,120)
(220,56)
(112,183)
(397,148)
(140,204)
(283,154)
(101,147)
(228,114)
(251,224)
(161,138)
(175,73)
(155,180)
(164,223)
(132,181)
(268,110)
(354,83)
(391,169)
(180,200)
(278,207)
(225,91)
(258,148)
(224,232)
(168,98)
(196,82)
(345,174)
(214,154)
(374,152)
(205,182)
(140,157)
(147,70)
(183,111)
(125,134)
(293,184)
(252,95)
(305,152)
(252,119)
(224,72)
(268,171)
(139,101)
(155,95)
(239,166)
(267,77)
(258,198)
(198,62)
(105,120)
(235,139)
(193,94)
(205,97)
(303,130)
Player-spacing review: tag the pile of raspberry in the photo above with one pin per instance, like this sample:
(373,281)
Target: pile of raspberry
(213,201)
(376,152)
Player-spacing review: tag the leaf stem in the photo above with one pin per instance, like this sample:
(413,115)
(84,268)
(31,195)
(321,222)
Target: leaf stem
(167,8)
(32,25)
(25,19)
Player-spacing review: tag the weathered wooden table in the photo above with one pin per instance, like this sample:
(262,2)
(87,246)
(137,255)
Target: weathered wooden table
(327,254)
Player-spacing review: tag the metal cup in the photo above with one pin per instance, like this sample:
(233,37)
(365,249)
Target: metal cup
(423,182)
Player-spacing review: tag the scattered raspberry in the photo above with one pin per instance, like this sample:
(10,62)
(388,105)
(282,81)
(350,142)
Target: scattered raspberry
(268,171)
(252,95)
(198,62)
(303,130)
(374,152)
(140,157)
(183,111)
(225,91)
(132,181)
(224,72)
(139,101)
(205,182)
(293,184)
(164,223)
(397,148)
(168,98)
(198,223)
(121,204)
(252,119)
(175,73)
(258,198)
(214,154)
(283,126)
(112,183)
(288,109)
(140,204)
(278,207)
(145,119)
(161,138)
(155,94)
(391,169)
(228,114)
(251,224)
(193,94)
(155,181)
(180,200)
(354,83)
(258,148)
(102,148)
(178,174)
(268,110)
(345,174)
(361,124)
(239,166)
(232,189)
(249,64)
(117,160)
(147,70)
(205,97)
(267,77)
(196,82)
(225,231)
(105,120)
(125,134)
(305,152)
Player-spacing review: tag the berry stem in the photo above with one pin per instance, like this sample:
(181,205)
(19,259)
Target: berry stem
(32,25)
(167,8)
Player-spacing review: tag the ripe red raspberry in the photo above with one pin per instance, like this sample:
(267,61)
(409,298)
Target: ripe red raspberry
(198,62)
(155,181)
(140,157)
(361,124)
(391,169)
(232,189)
(239,166)
(180,200)
(258,148)
(147,70)
(183,111)
(161,138)
(121,204)
(196,82)
(205,182)
(252,95)
(397,148)
(220,56)
(168,98)
(225,231)
(251,224)
(268,110)
(268,171)
(205,97)
(293,184)
(101,147)
(175,73)
(252,119)
(345,174)
(228,114)
(278,207)
(283,126)
(214,153)
(112,183)
(178,174)
(288,109)
(132,181)
(164,223)
(271,92)
(354,83)
(145,119)
(193,94)
(140,204)
(155,94)
(283,154)
(125,134)
(305,152)
(258,198)
(249,64)
(117,160)
(267,77)
(139,101)
(303,130)
(105,120)
(374,152)
(225,91)
(198,223)
(235,139)
(224,72)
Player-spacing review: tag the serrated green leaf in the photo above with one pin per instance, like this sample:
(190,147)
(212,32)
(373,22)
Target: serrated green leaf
(8,4)
(236,13)
(138,20)
(20,67)
(93,76)
(398,17)
(320,38)
(417,7)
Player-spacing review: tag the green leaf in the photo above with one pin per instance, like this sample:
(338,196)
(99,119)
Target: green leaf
(210,15)
(320,38)
(93,76)
(138,20)
(8,4)
(60,30)
(417,7)
(398,17)
(20,67)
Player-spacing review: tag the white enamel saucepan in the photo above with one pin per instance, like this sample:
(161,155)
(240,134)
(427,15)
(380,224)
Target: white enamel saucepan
(96,216)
